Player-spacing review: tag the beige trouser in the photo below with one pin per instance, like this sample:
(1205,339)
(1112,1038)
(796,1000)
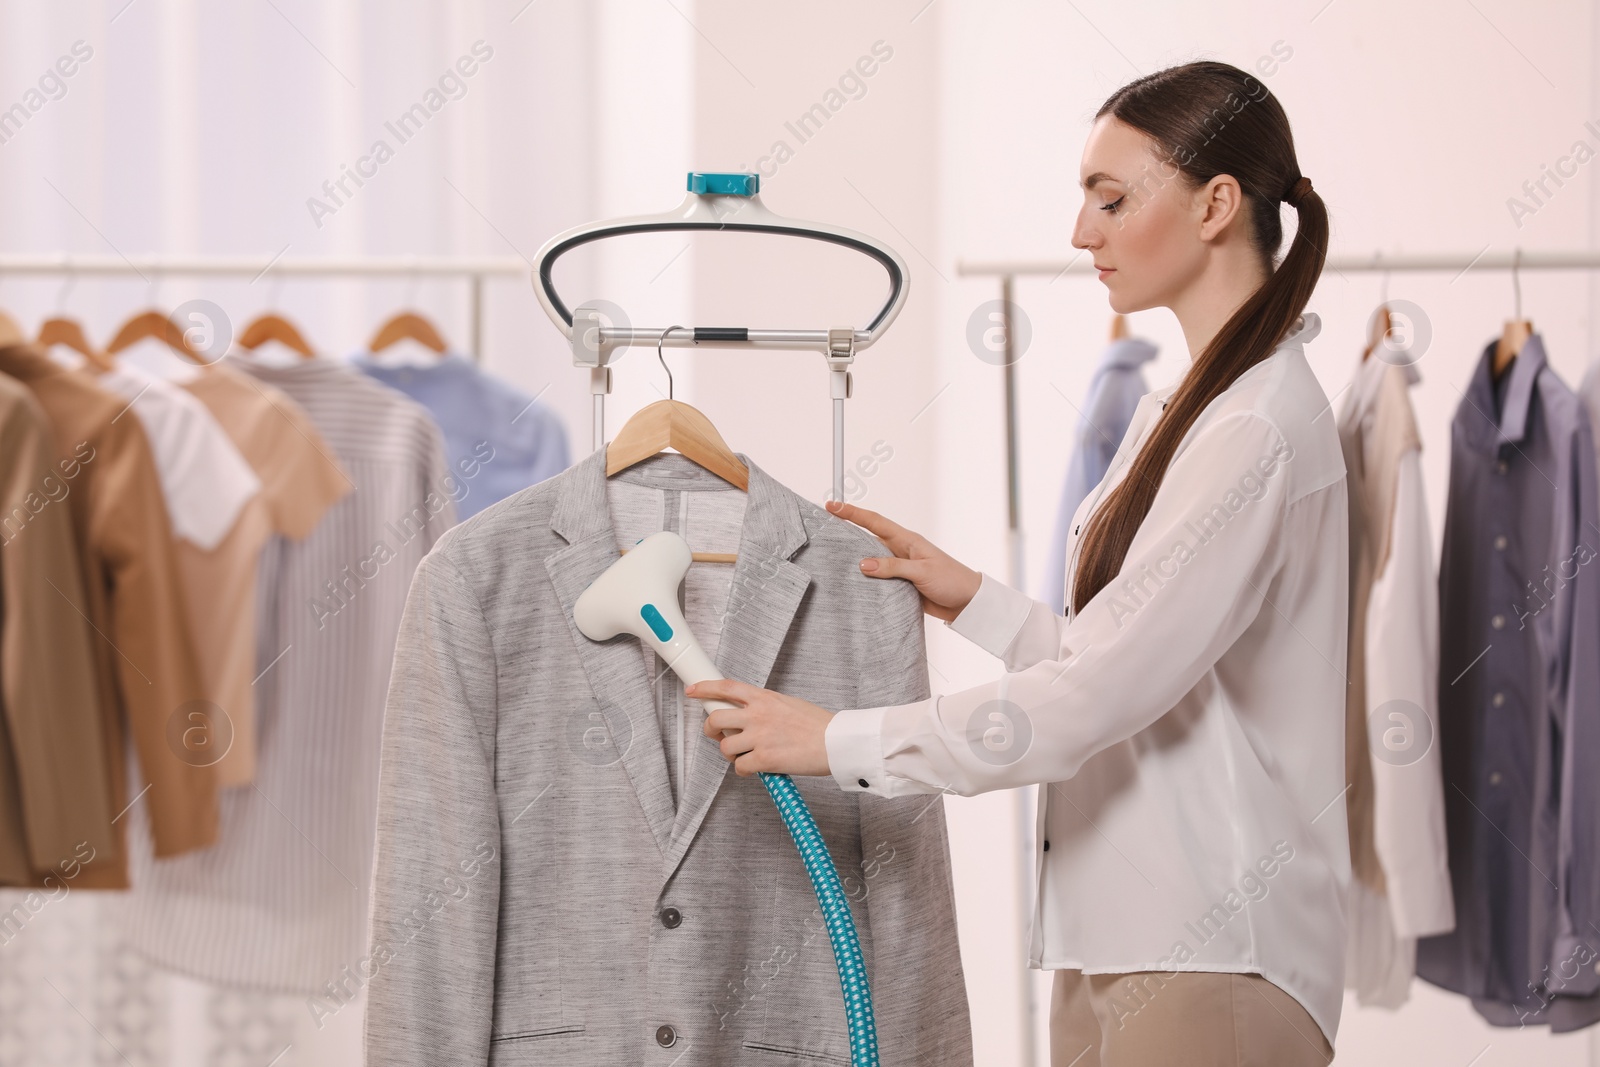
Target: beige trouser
(1194,1018)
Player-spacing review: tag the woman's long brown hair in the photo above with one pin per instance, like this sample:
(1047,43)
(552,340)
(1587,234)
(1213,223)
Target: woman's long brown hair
(1209,118)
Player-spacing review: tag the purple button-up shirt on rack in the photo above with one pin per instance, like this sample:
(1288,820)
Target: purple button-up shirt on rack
(1519,701)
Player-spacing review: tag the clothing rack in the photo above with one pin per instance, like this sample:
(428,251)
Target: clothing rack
(474,270)
(1083,264)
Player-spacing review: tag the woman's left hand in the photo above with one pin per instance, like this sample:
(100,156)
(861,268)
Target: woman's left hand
(771,732)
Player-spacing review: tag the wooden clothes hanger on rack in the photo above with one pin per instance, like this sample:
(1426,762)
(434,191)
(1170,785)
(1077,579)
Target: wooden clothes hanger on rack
(408,325)
(673,424)
(1382,324)
(60,330)
(154,324)
(1517,329)
(274,327)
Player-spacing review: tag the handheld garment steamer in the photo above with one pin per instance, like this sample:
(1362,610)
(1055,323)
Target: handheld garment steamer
(638,594)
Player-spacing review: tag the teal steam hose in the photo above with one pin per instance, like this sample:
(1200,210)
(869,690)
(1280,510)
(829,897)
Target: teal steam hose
(835,912)
(638,594)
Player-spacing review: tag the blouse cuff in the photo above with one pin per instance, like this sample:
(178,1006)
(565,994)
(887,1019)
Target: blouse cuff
(994,616)
(855,750)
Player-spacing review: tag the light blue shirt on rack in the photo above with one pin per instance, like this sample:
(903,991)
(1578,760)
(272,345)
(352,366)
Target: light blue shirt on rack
(499,440)
(1114,393)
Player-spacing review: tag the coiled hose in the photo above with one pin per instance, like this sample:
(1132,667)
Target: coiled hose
(835,912)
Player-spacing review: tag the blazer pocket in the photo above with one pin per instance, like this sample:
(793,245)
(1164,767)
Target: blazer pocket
(795,1054)
(534,1035)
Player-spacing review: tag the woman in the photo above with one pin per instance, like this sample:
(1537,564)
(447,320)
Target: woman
(1187,717)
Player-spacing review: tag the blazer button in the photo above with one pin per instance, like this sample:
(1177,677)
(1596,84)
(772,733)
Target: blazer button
(863,782)
(666,1036)
(671,917)
(1047,846)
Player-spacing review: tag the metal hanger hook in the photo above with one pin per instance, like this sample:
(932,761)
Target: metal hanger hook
(411,284)
(659,356)
(66,287)
(1516,281)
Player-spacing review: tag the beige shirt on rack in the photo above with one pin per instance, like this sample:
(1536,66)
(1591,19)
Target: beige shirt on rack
(210,490)
(1400,889)
(146,667)
(55,790)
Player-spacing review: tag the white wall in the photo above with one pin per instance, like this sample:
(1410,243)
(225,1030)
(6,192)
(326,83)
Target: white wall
(206,127)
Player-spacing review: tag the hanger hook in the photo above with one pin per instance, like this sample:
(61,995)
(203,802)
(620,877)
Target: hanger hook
(66,287)
(1516,280)
(411,284)
(659,356)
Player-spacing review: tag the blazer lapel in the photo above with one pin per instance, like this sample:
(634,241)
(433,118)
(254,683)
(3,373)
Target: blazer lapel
(767,590)
(615,668)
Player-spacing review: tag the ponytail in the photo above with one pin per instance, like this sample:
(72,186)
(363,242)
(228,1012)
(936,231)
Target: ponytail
(1180,107)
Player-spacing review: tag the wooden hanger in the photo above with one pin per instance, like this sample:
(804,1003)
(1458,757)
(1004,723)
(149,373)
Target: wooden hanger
(154,324)
(10,332)
(1512,339)
(1382,324)
(1119,327)
(673,424)
(1517,329)
(407,325)
(60,330)
(274,327)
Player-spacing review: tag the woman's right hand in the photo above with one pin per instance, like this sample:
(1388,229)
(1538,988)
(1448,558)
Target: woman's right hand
(946,585)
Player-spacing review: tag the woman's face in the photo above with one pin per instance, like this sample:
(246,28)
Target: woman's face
(1139,218)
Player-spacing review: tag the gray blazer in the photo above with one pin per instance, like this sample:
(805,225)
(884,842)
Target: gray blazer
(538,899)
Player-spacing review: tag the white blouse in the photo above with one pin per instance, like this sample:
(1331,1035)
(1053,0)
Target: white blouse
(1189,721)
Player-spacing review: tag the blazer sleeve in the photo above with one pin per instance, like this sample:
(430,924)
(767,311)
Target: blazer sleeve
(918,990)
(1177,604)
(436,869)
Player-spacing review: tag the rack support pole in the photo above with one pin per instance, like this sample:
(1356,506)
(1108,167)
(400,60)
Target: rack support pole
(841,353)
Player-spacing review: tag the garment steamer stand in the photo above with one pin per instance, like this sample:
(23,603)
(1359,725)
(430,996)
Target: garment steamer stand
(729,202)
